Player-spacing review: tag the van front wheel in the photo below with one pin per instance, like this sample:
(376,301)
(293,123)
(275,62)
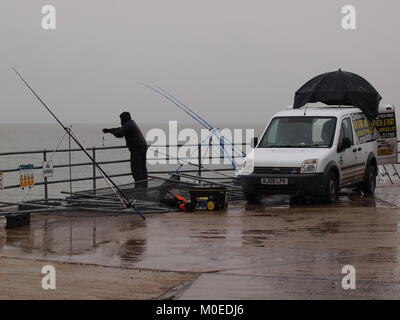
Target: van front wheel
(331,188)
(369,184)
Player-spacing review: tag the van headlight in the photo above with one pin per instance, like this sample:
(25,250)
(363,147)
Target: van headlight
(247,167)
(309,166)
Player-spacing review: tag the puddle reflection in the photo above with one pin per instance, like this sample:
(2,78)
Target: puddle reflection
(345,200)
(91,239)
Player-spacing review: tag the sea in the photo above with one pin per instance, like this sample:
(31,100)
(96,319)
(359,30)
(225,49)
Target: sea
(50,136)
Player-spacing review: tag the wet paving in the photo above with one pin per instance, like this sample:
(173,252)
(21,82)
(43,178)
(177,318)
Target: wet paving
(274,250)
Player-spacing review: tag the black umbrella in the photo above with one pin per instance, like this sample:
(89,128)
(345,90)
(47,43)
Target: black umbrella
(340,88)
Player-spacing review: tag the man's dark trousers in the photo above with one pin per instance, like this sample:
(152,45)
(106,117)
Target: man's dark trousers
(138,167)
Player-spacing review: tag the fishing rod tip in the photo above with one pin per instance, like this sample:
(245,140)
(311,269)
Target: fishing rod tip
(142,83)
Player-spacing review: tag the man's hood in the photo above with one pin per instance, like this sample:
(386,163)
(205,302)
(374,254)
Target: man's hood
(125,117)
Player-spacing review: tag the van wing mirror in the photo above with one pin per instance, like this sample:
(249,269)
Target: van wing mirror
(254,142)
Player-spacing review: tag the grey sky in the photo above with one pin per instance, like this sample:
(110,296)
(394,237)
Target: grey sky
(233,61)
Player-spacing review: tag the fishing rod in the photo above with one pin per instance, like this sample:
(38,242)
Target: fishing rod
(180,106)
(184,106)
(213,130)
(123,198)
(217,131)
(196,117)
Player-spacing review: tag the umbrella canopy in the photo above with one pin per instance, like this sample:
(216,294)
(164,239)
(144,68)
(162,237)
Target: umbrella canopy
(340,88)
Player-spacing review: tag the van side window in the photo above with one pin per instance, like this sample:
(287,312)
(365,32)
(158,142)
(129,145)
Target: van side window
(346,131)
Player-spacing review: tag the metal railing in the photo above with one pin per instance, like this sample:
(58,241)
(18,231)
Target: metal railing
(199,158)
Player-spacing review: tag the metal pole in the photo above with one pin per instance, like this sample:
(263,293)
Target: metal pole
(210,151)
(167,151)
(221,150)
(94,170)
(199,159)
(70,160)
(46,191)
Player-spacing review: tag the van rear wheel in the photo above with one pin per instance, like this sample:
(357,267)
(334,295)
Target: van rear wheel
(369,184)
(331,188)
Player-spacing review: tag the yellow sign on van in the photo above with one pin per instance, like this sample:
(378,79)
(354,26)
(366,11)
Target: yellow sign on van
(386,136)
(385,152)
(363,127)
(386,125)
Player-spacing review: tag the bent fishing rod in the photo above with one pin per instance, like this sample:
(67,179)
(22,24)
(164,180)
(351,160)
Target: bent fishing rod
(176,102)
(202,121)
(192,114)
(123,198)
(210,126)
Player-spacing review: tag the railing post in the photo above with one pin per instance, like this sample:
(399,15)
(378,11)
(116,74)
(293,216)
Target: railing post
(46,190)
(168,159)
(199,158)
(94,169)
(221,150)
(210,151)
(70,160)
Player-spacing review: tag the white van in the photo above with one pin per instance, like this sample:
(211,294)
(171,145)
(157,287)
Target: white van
(316,151)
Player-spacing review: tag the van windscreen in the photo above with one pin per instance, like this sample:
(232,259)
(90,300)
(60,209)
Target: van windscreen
(299,132)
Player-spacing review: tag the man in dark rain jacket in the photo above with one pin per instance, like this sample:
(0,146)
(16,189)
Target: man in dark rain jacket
(137,146)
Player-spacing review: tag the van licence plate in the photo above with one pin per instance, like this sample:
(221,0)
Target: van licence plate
(274,181)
